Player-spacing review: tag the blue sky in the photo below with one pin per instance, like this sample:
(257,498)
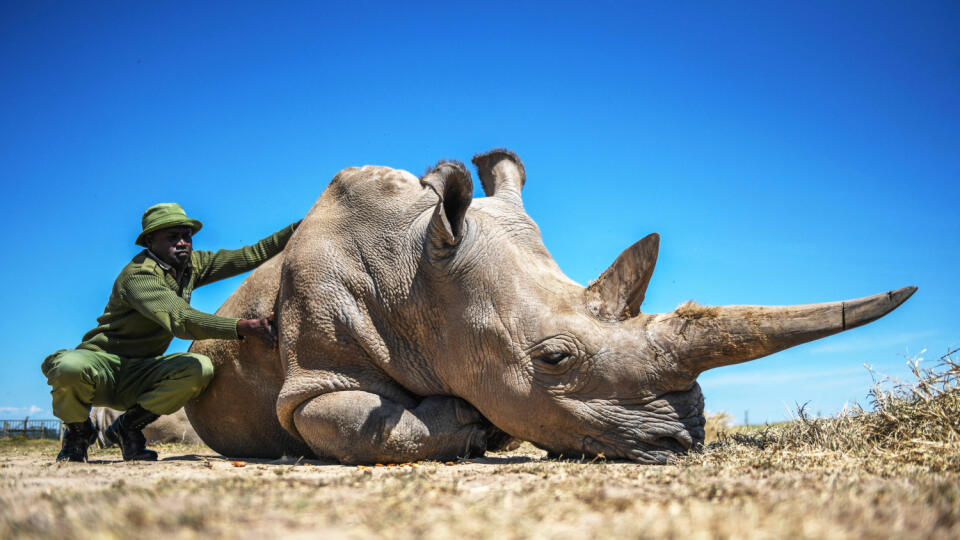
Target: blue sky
(786,154)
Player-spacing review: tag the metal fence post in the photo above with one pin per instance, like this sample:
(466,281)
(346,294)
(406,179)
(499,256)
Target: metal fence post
(32,429)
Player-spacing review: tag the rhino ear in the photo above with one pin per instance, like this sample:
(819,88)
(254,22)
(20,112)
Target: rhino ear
(501,174)
(452,183)
(619,291)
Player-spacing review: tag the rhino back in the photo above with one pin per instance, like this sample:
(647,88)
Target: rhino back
(236,415)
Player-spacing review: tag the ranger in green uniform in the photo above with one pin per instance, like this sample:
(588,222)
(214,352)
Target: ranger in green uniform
(121,364)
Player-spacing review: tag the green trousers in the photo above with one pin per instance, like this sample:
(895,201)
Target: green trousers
(81,378)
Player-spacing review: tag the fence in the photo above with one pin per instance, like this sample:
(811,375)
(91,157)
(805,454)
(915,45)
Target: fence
(31,429)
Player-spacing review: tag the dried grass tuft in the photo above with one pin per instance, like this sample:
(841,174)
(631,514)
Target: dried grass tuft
(693,310)
(717,424)
(913,425)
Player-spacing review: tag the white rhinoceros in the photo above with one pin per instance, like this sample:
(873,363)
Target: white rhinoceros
(412,320)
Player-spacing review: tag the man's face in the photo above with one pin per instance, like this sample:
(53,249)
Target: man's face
(173,246)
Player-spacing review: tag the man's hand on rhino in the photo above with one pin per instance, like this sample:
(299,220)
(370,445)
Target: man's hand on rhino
(261,328)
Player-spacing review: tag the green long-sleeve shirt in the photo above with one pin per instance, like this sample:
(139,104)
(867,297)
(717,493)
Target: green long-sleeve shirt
(149,306)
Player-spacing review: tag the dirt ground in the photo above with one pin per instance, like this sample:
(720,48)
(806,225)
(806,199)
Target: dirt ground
(192,492)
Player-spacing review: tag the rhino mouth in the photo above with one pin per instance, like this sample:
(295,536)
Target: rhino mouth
(650,431)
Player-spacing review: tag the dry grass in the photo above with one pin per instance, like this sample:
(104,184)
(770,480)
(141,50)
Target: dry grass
(693,310)
(914,426)
(888,473)
(718,425)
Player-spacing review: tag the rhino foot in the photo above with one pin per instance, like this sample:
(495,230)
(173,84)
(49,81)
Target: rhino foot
(362,427)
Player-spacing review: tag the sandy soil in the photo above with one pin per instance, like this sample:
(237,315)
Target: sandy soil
(192,492)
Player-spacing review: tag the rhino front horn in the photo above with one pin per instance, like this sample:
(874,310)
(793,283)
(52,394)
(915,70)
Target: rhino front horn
(701,338)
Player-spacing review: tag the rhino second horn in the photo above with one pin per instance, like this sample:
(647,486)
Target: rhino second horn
(620,289)
(701,338)
(501,174)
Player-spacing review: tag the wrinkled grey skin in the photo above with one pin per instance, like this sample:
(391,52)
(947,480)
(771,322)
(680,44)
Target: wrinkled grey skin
(168,428)
(412,320)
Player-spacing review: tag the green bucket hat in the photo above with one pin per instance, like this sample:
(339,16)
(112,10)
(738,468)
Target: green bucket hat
(165,215)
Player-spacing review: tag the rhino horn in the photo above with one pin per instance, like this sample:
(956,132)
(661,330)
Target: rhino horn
(452,183)
(619,291)
(701,338)
(501,174)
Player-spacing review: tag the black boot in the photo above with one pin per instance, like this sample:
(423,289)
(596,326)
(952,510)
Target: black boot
(126,432)
(78,437)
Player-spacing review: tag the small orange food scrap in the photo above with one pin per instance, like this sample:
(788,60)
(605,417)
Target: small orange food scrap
(362,467)
(239,463)
(448,463)
(380,465)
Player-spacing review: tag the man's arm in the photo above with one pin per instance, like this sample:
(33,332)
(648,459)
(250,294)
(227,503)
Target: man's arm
(147,293)
(214,266)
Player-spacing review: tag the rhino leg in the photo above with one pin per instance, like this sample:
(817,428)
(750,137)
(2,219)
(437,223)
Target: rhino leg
(362,427)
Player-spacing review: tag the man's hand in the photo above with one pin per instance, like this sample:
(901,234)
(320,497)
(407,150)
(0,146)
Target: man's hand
(261,328)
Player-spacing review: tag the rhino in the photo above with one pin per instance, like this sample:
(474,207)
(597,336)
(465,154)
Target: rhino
(415,323)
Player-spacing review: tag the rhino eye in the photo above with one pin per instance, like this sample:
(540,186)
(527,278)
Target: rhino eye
(553,357)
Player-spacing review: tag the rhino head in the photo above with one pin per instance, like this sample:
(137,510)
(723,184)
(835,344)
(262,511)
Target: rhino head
(581,371)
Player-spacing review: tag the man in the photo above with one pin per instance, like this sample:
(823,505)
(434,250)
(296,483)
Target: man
(120,363)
